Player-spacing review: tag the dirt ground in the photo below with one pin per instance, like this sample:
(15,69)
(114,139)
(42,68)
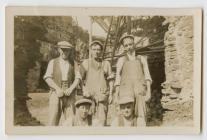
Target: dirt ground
(174,114)
(38,106)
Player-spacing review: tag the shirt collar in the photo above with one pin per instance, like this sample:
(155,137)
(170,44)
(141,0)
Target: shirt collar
(131,56)
(62,60)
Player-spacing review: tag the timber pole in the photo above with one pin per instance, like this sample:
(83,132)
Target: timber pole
(107,37)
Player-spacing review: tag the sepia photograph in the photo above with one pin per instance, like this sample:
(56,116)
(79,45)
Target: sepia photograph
(103,70)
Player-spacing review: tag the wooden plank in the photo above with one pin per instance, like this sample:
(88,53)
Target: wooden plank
(109,31)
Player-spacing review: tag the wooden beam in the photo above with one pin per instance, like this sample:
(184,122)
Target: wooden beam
(116,39)
(128,24)
(107,37)
(137,49)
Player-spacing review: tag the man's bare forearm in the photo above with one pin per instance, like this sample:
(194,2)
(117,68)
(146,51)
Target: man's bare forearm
(148,87)
(51,83)
(111,84)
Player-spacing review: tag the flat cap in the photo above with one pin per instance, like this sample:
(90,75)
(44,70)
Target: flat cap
(97,42)
(64,44)
(126,94)
(126,99)
(125,35)
(83,100)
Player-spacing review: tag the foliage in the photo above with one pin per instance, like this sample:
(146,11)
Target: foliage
(151,27)
(26,31)
(29,31)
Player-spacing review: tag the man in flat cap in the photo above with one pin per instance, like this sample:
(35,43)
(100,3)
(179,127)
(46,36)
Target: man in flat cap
(133,74)
(82,116)
(126,117)
(98,78)
(62,77)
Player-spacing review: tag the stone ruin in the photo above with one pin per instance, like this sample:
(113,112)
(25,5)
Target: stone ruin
(178,52)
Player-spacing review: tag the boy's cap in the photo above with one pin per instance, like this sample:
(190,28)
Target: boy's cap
(126,99)
(82,100)
(126,94)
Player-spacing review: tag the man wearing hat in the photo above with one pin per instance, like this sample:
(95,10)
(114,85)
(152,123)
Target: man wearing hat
(126,117)
(98,79)
(82,116)
(62,77)
(133,74)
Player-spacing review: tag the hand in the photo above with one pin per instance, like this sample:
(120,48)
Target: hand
(85,92)
(148,96)
(68,91)
(110,98)
(59,92)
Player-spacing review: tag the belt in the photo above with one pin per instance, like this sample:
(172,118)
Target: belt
(64,85)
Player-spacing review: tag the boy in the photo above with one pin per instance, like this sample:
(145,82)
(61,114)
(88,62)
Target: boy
(82,117)
(126,116)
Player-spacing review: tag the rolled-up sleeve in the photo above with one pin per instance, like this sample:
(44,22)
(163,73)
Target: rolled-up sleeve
(49,71)
(146,68)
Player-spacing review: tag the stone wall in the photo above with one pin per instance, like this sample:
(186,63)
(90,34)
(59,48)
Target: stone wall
(178,42)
